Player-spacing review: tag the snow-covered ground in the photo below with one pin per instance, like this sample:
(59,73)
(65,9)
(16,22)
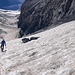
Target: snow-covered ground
(8,33)
(9,17)
(8,24)
(53,53)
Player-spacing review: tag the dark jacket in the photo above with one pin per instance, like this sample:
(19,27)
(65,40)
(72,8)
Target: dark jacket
(3,43)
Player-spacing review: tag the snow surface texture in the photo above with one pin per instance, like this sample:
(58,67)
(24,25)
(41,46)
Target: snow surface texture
(9,17)
(52,54)
(8,24)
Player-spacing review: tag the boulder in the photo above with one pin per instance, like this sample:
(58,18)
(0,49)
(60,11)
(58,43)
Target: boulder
(34,38)
(24,40)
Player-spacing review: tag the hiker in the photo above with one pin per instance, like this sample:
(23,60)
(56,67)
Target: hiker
(3,43)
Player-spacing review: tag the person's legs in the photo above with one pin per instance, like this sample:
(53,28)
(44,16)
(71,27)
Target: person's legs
(2,47)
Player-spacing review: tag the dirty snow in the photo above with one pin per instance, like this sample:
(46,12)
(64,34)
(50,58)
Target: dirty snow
(53,53)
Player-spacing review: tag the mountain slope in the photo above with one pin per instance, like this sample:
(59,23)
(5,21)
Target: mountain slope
(8,23)
(9,17)
(39,14)
(53,53)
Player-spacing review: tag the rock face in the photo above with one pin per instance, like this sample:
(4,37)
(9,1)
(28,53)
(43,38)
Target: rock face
(38,14)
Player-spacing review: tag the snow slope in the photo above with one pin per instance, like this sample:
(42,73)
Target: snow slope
(8,24)
(53,53)
(9,17)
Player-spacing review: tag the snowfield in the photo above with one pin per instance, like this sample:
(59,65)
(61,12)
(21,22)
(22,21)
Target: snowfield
(53,53)
(8,24)
(9,18)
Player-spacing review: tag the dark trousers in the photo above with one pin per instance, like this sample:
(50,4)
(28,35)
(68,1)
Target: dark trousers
(2,48)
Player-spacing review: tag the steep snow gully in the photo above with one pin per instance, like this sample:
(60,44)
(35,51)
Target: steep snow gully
(53,53)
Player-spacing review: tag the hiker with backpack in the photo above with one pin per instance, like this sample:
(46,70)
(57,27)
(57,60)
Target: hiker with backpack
(3,44)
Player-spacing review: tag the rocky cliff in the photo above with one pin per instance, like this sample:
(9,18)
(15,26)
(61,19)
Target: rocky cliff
(38,14)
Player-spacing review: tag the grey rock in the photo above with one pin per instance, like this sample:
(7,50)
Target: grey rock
(24,40)
(40,14)
(34,38)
